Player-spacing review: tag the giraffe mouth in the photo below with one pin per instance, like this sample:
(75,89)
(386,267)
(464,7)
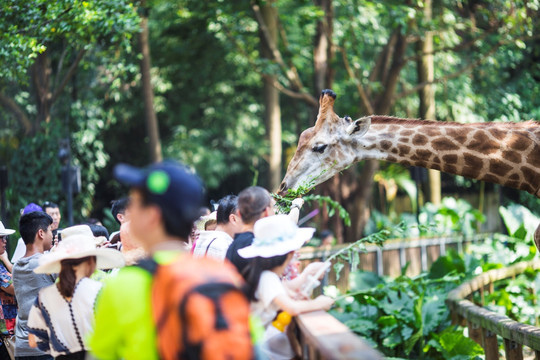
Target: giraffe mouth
(283,189)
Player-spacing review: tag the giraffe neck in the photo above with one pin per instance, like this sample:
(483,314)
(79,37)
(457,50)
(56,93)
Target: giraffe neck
(502,153)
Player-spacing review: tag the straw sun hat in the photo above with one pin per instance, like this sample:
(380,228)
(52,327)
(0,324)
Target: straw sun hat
(276,235)
(4,231)
(78,242)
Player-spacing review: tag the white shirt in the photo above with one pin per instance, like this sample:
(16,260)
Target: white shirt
(20,250)
(212,244)
(269,288)
(61,326)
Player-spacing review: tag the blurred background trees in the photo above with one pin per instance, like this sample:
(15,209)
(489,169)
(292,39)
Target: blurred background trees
(235,82)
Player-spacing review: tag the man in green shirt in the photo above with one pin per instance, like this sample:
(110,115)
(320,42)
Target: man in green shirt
(164,202)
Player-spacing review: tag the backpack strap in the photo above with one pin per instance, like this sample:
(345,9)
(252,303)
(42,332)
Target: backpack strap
(148,264)
(213,291)
(208,247)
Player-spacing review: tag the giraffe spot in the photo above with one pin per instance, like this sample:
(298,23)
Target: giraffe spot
(385,144)
(450,159)
(498,134)
(530,174)
(492,178)
(436,167)
(419,140)
(533,159)
(404,150)
(406,163)
(394,150)
(424,154)
(472,166)
(442,144)
(512,183)
(499,168)
(457,134)
(512,156)
(403,140)
(436,160)
(421,163)
(518,143)
(482,143)
(391,158)
(393,128)
(432,131)
(514,177)
(407,133)
(449,168)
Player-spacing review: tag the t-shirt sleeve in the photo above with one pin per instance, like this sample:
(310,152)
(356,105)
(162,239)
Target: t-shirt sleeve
(270,286)
(37,326)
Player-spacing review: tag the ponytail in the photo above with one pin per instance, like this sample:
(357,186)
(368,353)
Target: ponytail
(252,273)
(67,278)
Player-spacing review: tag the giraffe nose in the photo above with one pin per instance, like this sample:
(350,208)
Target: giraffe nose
(282,188)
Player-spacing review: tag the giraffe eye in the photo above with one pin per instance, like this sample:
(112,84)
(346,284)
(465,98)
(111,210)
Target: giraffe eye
(319,148)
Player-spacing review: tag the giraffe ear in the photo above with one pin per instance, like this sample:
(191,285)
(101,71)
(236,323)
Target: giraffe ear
(359,127)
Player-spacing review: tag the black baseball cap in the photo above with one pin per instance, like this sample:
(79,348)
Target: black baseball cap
(168,184)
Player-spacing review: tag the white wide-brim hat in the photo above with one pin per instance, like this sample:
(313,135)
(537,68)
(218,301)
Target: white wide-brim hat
(276,235)
(4,231)
(78,242)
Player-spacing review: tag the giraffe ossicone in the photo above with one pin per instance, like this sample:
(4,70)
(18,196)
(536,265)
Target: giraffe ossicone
(502,153)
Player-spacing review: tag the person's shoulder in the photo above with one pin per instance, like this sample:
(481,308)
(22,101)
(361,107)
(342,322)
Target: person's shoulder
(244,238)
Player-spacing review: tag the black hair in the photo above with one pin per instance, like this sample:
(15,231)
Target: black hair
(99,230)
(203,211)
(175,225)
(252,272)
(31,223)
(119,207)
(227,206)
(326,233)
(252,202)
(49,204)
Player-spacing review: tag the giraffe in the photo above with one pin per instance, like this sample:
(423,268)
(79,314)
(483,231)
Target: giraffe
(502,153)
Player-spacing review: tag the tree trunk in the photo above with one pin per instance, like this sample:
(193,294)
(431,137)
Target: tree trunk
(148,93)
(272,112)
(41,75)
(425,70)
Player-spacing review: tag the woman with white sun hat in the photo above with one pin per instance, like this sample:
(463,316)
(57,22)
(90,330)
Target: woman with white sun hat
(276,238)
(63,313)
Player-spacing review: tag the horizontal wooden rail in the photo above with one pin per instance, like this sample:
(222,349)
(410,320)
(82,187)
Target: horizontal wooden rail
(484,325)
(319,335)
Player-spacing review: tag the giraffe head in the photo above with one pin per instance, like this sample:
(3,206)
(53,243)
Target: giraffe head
(325,149)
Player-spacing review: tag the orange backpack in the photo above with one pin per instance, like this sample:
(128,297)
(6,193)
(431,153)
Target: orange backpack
(199,310)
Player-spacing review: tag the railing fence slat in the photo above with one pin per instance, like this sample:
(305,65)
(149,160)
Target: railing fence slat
(490,345)
(513,350)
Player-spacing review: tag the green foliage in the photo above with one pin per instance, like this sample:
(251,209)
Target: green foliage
(401,317)
(452,216)
(29,28)
(520,222)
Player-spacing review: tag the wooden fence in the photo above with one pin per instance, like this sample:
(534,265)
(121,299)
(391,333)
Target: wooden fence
(485,327)
(318,335)
(390,259)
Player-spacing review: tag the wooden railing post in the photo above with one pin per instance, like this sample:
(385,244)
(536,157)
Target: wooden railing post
(475,332)
(513,350)
(490,345)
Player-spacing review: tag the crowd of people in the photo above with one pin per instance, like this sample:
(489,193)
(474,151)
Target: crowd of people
(80,293)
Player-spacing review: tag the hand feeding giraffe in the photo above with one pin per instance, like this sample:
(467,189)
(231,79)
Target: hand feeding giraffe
(502,153)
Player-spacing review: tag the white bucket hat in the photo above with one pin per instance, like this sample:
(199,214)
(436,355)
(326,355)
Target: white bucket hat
(78,242)
(276,235)
(4,231)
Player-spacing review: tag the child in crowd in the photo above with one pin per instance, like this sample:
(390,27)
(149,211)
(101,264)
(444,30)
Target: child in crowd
(275,240)
(63,313)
